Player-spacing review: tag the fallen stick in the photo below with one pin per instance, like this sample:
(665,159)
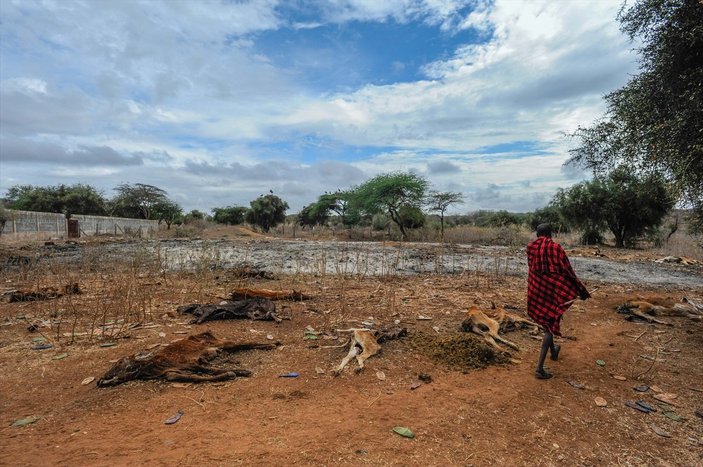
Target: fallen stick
(643,333)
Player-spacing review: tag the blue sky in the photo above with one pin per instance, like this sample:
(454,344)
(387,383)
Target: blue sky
(218,101)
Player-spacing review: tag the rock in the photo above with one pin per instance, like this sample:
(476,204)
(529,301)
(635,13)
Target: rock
(600,402)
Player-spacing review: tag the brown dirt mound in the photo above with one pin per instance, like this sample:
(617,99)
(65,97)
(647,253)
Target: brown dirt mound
(458,351)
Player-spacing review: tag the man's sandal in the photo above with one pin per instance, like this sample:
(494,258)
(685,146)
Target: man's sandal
(542,374)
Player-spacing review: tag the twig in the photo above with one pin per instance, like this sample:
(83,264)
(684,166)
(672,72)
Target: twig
(643,333)
(374,400)
(695,389)
(654,360)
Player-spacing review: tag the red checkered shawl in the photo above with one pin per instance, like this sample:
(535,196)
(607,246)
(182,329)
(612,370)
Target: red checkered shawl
(551,283)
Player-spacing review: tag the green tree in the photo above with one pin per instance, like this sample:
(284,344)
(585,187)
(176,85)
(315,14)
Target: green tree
(654,124)
(340,202)
(167,211)
(440,201)
(411,217)
(138,201)
(504,218)
(388,193)
(67,199)
(313,214)
(628,205)
(231,215)
(266,211)
(4,217)
(549,214)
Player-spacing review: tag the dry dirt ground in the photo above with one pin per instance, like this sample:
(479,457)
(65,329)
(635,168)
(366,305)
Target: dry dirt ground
(498,415)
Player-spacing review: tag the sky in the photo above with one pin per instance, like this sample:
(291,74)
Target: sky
(220,101)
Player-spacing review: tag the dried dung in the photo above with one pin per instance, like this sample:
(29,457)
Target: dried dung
(460,351)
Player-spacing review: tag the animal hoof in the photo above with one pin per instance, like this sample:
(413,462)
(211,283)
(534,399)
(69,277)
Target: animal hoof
(358,370)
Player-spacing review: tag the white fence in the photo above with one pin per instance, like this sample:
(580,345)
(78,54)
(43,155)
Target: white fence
(52,225)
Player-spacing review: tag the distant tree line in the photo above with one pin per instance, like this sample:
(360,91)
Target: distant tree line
(631,207)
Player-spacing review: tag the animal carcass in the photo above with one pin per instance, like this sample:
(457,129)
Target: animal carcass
(261,309)
(364,344)
(478,322)
(185,360)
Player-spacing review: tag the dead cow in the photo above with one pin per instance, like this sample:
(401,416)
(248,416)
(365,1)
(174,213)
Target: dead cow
(478,322)
(648,311)
(185,360)
(364,344)
(260,309)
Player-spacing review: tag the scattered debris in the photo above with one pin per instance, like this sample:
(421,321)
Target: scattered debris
(25,421)
(183,360)
(659,431)
(666,397)
(244,293)
(41,346)
(292,374)
(576,384)
(415,385)
(60,356)
(641,388)
(404,432)
(636,406)
(424,318)
(174,419)
(600,402)
(250,308)
(600,362)
(381,375)
(619,378)
(459,351)
(319,370)
(425,378)
(112,344)
(88,380)
(646,406)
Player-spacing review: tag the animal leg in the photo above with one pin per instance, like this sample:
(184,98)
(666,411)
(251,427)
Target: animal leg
(230,346)
(512,345)
(353,351)
(209,370)
(188,377)
(646,317)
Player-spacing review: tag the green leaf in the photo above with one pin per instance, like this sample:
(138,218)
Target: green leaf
(404,431)
(25,421)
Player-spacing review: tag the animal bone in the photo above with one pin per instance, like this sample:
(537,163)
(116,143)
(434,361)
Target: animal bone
(478,322)
(184,360)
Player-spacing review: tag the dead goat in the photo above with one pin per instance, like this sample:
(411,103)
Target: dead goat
(259,309)
(478,322)
(184,360)
(644,310)
(365,344)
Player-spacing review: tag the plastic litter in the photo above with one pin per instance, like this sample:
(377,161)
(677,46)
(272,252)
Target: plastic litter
(174,419)
(404,431)
(292,374)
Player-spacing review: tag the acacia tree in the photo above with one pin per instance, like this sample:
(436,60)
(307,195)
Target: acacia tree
(389,193)
(266,211)
(167,211)
(440,201)
(654,124)
(139,201)
(629,206)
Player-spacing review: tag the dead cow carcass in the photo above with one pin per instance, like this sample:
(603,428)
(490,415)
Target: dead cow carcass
(364,344)
(647,311)
(260,309)
(185,360)
(478,322)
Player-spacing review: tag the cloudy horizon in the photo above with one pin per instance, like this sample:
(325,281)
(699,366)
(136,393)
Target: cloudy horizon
(217,102)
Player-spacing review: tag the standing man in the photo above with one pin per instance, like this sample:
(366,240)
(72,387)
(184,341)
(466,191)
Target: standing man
(552,286)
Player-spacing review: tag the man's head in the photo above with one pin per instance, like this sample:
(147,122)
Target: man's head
(544,230)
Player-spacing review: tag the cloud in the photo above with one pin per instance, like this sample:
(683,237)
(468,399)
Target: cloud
(26,151)
(442,167)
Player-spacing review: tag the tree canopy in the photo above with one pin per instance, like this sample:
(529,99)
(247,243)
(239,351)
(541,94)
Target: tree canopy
(654,124)
(266,211)
(440,201)
(628,205)
(389,193)
(66,199)
(139,201)
(232,215)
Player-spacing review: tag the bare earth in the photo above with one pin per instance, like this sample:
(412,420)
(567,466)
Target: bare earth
(500,415)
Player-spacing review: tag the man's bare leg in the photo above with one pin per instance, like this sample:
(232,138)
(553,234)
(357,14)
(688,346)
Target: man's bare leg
(547,345)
